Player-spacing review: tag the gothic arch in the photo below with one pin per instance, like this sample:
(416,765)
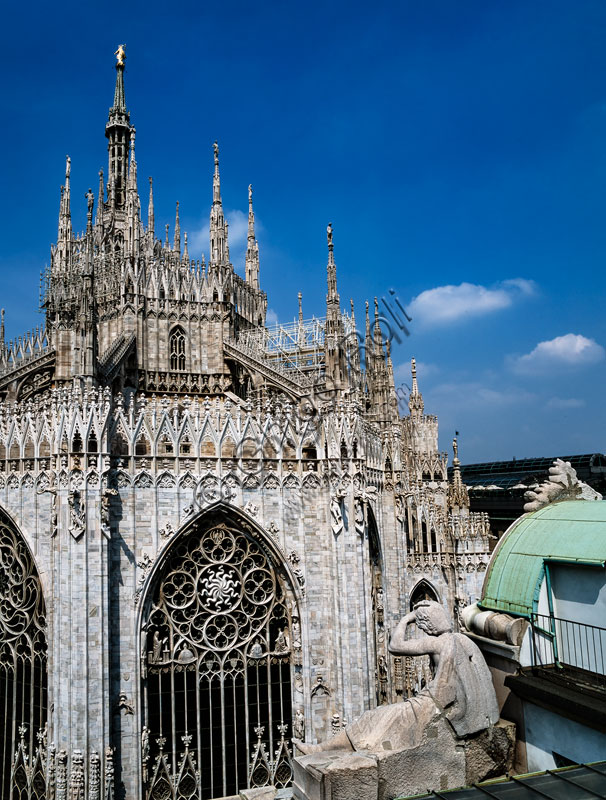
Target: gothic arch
(176,349)
(23,664)
(423,591)
(220,639)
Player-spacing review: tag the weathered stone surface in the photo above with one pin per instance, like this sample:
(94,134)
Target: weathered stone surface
(490,753)
(335,775)
(264,793)
(441,761)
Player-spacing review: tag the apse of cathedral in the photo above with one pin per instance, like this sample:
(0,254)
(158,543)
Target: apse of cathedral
(208,526)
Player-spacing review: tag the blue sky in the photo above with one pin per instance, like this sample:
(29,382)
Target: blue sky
(459,149)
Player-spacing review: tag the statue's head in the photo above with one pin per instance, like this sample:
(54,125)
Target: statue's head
(431,618)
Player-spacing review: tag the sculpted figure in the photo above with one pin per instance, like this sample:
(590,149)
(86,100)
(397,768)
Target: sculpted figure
(461,690)
(562,484)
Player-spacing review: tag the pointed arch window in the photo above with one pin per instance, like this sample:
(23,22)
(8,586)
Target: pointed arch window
(220,634)
(177,350)
(23,678)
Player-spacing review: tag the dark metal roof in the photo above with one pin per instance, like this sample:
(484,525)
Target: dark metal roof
(582,782)
(506,474)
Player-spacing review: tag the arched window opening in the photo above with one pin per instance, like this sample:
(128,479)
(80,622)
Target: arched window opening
(141,447)
(422,591)
(355,448)
(165,446)
(434,544)
(177,350)
(424,536)
(344,455)
(119,445)
(216,685)
(23,680)
(310,452)
(77,443)
(92,446)
(388,464)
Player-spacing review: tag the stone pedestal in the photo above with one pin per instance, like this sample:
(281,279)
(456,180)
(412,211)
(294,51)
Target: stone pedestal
(442,761)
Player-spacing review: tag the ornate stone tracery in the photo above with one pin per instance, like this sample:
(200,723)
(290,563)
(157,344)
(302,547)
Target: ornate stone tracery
(217,664)
(23,647)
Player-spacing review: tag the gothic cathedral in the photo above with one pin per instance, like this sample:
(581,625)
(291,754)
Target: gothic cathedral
(208,526)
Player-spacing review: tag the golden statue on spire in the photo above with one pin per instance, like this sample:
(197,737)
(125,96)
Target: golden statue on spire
(120,55)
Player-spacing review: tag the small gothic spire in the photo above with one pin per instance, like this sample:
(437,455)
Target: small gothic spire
(216,176)
(378,333)
(150,210)
(415,401)
(2,340)
(177,237)
(458,496)
(300,297)
(132,171)
(65,218)
(166,245)
(331,269)
(185,248)
(413,369)
(66,196)
(252,248)
(99,214)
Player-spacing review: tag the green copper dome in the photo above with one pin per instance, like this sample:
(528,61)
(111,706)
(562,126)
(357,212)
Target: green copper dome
(570,531)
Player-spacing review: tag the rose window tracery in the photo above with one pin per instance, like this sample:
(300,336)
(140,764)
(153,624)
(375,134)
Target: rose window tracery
(216,689)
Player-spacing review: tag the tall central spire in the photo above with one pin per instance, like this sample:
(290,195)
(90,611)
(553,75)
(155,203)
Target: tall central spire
(117,131)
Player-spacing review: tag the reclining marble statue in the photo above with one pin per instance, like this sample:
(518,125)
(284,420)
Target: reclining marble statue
(458,703)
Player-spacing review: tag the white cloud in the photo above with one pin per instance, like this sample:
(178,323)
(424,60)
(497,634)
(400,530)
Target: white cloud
(401,372)
(563,403)
(271,318)
(473,394)
(570,350)
(445,304)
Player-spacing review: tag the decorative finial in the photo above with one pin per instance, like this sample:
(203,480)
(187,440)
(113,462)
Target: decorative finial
(68,167)
(216,151)
(120,55)
(455,448)
(250,194)
(413,367)
(329,234)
